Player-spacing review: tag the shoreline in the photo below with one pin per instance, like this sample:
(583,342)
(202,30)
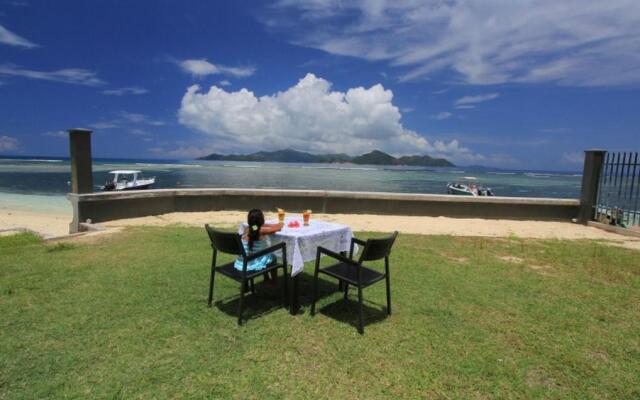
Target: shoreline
(50,216)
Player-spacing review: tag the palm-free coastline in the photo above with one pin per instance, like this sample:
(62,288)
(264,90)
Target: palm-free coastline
(40,175)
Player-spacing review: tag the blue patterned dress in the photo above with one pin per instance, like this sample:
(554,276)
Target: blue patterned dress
(260,262)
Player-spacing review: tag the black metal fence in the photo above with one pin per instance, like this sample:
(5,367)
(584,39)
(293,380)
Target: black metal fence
(619,190)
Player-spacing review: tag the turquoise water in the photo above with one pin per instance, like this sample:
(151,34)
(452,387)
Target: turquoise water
(49,204)
(51,176)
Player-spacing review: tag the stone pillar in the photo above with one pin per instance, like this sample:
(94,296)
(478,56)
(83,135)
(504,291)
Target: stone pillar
(593,161)
(80,159)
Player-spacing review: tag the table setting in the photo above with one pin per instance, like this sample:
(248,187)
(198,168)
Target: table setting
(302,236)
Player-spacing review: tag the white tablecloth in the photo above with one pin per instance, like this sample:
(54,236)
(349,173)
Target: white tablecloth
(302,243)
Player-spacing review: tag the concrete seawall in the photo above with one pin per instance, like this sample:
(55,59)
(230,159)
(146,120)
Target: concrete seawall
(107,206)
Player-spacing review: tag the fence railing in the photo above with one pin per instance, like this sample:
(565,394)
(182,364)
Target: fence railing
(618,201)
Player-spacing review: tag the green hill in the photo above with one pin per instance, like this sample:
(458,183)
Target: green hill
(376,157)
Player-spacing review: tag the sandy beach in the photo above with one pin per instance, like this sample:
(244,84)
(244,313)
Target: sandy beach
(50,217)
(47,215)
(405,224)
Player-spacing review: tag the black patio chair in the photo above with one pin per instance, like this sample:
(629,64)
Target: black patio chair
(231,243)
(352,272)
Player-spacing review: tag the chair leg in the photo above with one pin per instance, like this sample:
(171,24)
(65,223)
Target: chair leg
(252,286)
(360,320)
(243,287)
(213,275)
(388,295)
(346,290)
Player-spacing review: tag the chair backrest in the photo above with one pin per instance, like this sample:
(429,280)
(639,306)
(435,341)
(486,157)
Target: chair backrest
(225,242)
(376,249)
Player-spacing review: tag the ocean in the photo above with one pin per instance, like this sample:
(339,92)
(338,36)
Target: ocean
(51,176)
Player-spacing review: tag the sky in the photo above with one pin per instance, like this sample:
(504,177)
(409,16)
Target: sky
(511,84)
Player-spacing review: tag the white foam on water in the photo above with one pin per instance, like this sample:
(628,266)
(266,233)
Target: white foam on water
(42,160)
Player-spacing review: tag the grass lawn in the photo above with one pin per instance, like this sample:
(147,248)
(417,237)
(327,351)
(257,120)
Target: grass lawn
(126,317)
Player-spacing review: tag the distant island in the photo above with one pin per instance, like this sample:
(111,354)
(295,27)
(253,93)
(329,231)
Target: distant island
(375,157)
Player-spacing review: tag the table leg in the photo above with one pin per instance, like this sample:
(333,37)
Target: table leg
(295,297)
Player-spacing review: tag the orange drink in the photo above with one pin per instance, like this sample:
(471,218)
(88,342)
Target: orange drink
(306,215)
(281,215)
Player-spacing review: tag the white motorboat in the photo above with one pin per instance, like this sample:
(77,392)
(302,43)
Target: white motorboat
(467,189)
(128,180)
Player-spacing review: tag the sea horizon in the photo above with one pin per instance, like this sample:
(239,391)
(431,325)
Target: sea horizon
(47,158)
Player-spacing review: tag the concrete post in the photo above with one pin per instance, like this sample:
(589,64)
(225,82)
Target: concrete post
(80,159)
(593,161)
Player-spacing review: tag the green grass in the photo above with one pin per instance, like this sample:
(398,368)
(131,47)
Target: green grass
(126,317)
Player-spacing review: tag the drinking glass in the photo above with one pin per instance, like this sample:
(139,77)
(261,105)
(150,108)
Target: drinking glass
(306,215)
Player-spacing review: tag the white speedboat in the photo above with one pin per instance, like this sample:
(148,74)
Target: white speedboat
(466,189)
(128,180)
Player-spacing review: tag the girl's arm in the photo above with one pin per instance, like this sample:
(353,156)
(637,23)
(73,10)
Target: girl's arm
(268,229)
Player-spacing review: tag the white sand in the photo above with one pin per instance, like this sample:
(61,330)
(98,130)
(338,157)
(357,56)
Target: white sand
(47,215)
(52,218)
(405,224)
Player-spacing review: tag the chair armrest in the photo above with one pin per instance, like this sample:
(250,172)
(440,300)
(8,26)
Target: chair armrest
(333,254)
(268,250)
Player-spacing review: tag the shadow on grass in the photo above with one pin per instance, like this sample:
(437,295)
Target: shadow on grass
(265,300)
(345,311)
(268,299)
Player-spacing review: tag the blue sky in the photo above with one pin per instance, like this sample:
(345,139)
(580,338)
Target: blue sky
(495,83)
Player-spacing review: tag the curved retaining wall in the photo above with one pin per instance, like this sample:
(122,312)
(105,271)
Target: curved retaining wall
(100,207)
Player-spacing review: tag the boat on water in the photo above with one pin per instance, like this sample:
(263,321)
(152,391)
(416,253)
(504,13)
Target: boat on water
(468,189)
(125,179)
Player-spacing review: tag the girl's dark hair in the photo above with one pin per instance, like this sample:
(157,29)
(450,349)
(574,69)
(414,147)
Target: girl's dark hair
(255,219)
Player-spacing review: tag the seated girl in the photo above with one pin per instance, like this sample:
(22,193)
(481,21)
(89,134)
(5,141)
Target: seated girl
(254,240)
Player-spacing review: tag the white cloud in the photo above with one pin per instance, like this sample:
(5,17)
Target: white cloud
(8,143)
(442,115)
(57,134)
(16,3)
(103,125)
(308,116)
(575,157)
(136,90)
(568,42)
(10,38)
(470,101)
(69,75)
(139,132)
(224,82)
(140,119)
(555,130)
(200,68)
(128,119)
